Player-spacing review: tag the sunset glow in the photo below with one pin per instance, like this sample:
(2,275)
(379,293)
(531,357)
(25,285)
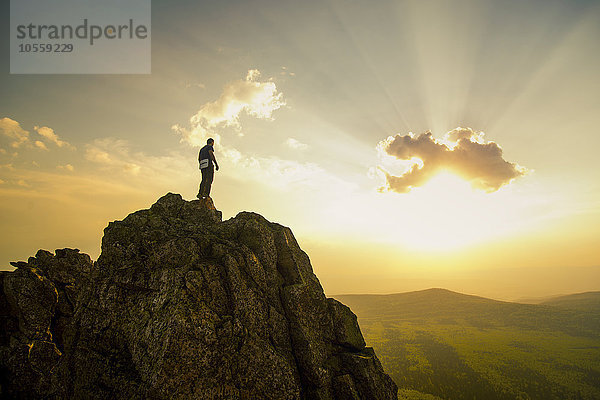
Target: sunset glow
(417,139)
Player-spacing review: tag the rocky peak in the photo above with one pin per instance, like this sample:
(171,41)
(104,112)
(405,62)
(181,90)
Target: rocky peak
(181,304)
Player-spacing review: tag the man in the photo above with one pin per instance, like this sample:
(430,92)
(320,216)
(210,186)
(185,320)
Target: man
(208,163)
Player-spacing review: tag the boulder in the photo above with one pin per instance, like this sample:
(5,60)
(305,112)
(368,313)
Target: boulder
(181,304)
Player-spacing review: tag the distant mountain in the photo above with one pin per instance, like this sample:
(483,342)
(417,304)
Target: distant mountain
(588,301)
(535,300)
(458,346)
(445,306)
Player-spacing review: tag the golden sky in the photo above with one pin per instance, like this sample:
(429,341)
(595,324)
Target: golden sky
(407,144)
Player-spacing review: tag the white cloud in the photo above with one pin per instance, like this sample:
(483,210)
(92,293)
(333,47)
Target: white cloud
(280,173)
(13,131)
(95,154)
(250,96)
(19,137)
(40,145)
(295,144)
(259,99)
(284,173)
(51,136)
(462,151)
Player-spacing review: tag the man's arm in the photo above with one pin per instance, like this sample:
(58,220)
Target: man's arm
(212,155)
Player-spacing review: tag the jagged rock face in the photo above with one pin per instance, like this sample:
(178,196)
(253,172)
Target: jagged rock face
(37,303)
(182,305)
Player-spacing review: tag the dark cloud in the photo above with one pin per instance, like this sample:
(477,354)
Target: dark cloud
(461,151)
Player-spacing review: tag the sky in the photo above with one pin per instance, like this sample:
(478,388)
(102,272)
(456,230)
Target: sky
(408,144)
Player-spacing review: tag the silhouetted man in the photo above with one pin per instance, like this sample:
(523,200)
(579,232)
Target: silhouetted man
(208,162)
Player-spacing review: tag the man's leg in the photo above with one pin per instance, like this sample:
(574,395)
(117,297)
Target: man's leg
(210,174)
(202,188)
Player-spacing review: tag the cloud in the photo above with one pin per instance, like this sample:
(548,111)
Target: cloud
(461,151)
(282,174)
(250,96)
(257,98)
(112,154)
(13,131)
(295,144)
(119,161)
(19,137)
(49,135)
(66,167)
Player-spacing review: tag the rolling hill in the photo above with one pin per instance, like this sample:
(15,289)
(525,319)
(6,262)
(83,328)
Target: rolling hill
(457,346)
(588,301)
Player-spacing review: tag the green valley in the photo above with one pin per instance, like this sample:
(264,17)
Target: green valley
(456,346)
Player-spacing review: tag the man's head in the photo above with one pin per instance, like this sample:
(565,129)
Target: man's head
(210,141)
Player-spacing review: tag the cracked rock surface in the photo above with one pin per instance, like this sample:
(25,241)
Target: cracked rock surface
(181,305)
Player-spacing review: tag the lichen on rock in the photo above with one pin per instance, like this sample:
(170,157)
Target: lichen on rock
(181,304)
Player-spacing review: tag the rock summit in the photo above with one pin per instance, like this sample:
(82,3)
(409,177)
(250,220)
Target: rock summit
(181,305)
